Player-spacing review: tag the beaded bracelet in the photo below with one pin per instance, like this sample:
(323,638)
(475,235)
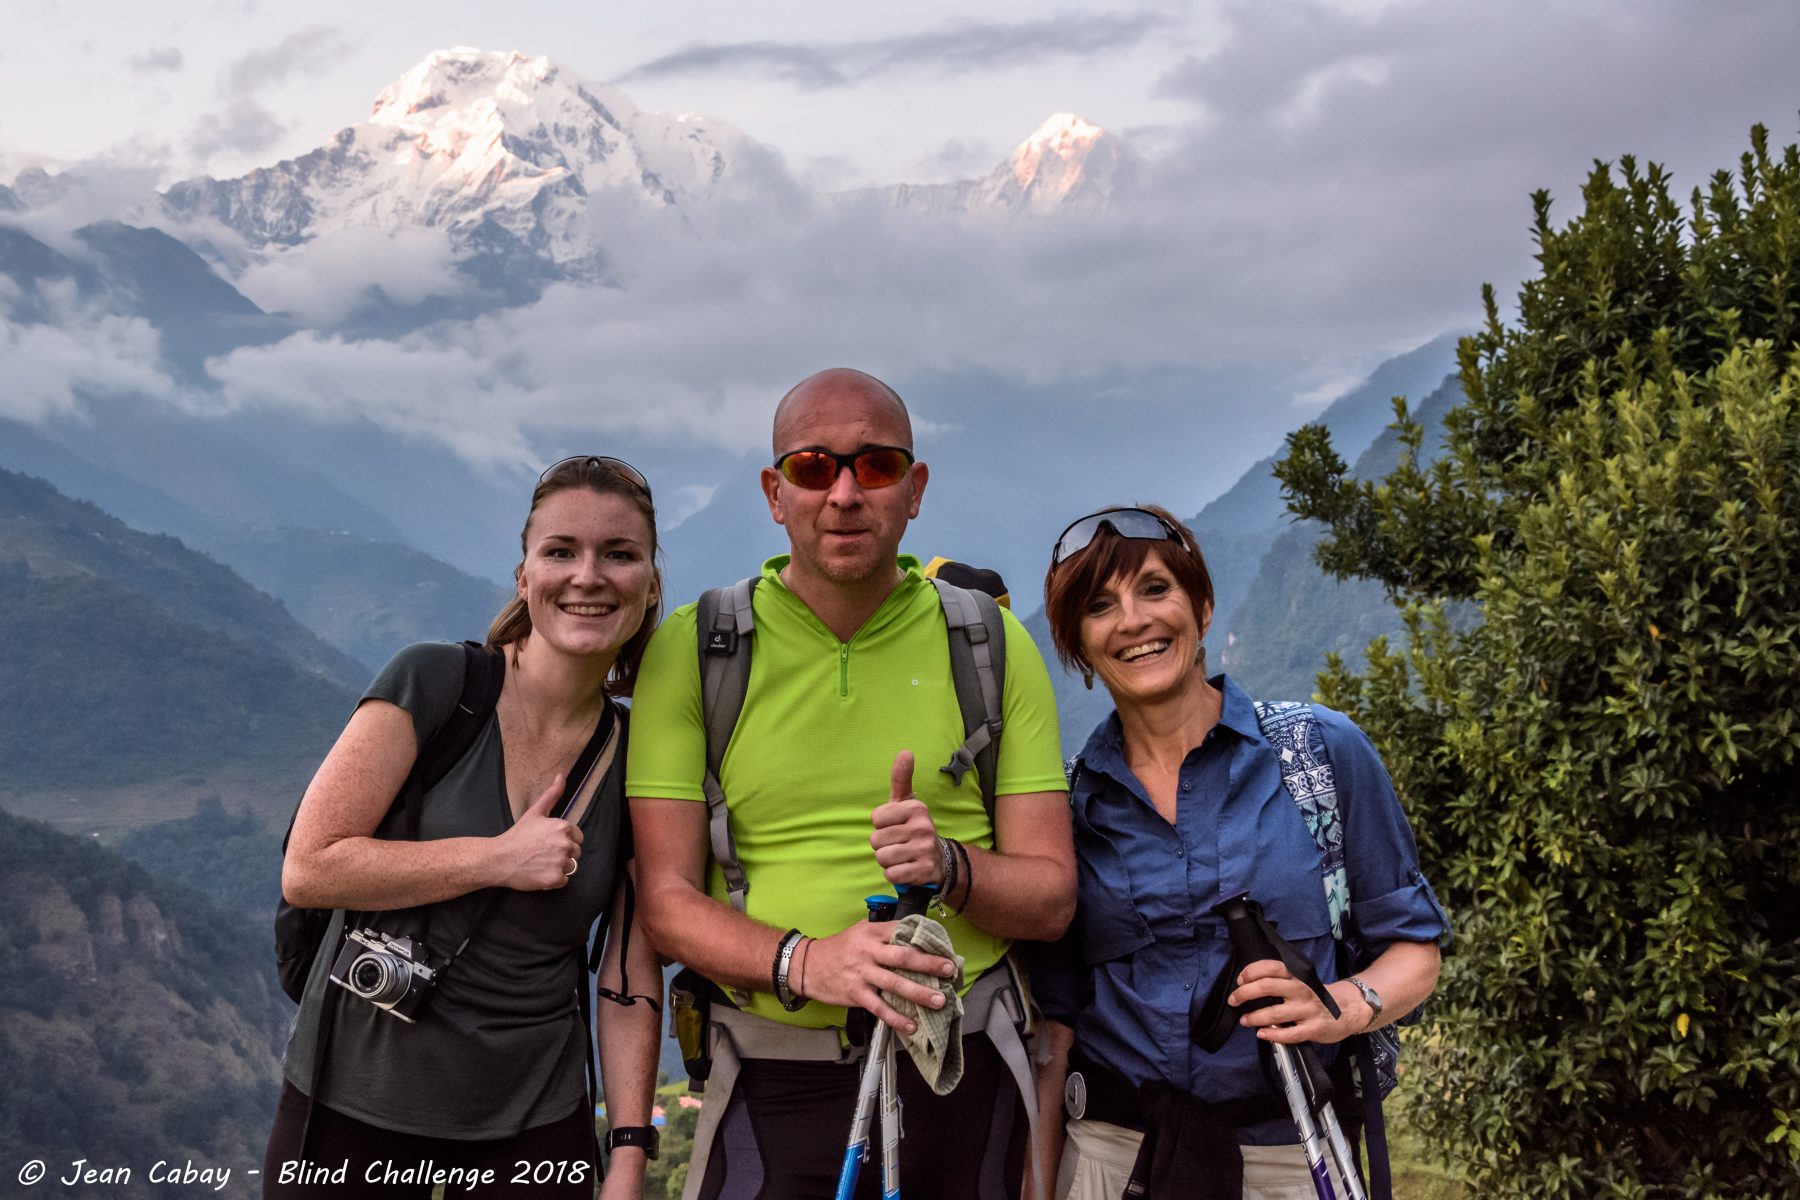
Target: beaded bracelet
(947,864)
(957,874)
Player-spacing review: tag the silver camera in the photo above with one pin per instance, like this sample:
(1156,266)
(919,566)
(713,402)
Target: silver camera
(393,973)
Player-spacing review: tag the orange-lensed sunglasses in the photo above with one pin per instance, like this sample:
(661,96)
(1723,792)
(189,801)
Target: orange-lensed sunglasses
(872,466)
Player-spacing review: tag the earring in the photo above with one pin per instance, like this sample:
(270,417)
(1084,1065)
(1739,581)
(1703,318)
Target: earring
(1087,679)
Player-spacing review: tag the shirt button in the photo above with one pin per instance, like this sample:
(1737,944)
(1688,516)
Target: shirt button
(1180,851)
(1187,787)
(1187,987)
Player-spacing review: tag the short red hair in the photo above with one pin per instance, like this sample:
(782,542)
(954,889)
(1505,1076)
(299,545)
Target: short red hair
(1069,586)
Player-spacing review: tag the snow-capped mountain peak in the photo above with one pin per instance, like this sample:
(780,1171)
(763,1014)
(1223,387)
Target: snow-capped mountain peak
(1066,165)
(500,151)
(1058,151)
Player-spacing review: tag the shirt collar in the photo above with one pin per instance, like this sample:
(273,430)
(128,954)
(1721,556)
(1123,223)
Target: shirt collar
(1105,747)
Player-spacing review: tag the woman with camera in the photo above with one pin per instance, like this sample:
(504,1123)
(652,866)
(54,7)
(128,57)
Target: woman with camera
(439,1038)
(1180,802)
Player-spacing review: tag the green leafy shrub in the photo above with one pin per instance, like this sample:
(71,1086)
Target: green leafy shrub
(1602,765)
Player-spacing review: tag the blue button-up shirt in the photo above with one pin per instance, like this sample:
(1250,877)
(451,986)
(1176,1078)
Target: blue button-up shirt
(1145,947)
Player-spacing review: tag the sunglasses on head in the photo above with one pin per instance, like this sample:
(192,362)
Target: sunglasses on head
(1125,522)
(872,466)
(617,466)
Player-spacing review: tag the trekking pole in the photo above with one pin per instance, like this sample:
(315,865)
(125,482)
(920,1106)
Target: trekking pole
(1303,1081)
(878,1073)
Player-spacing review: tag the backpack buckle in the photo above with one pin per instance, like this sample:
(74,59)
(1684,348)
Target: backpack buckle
(960,764)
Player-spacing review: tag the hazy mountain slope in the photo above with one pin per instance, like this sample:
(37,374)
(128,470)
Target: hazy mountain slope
(366,598)
(1238,528)
(142,676)
(122,270)
(206,465)
(138,1021)
(28,451)
(47,537)
(197,314)
(1294,613)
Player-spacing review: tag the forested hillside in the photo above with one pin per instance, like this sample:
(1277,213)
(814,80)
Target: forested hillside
(54,537)
(138,1021)
(139,671)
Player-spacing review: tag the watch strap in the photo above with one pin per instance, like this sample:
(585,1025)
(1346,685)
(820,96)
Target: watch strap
(1372,996)
(646,1137)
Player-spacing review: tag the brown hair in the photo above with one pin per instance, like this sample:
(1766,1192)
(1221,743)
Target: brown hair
(594,474)
(1069,586)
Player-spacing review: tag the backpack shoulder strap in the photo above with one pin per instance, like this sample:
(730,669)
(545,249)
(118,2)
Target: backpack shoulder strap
(724,624)
(484,671)
(1299,740)
(978,670)
(1293,729)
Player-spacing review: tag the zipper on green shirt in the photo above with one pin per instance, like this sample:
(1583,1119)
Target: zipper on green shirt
(843,669)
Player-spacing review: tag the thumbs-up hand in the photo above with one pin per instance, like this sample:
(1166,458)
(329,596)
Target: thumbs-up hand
(905,838)
(540,852)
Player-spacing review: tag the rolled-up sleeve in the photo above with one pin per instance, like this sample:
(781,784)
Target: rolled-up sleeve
(1390,898)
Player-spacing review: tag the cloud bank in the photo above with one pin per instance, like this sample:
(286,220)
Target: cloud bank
(955,49)
(1336,188)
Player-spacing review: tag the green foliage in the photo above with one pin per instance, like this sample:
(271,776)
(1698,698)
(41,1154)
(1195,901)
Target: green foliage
(103,686)
(1602,770)
(232,857)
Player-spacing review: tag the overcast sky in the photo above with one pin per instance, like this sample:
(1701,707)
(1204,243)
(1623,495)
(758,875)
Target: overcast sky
(879,93)
(1332,181)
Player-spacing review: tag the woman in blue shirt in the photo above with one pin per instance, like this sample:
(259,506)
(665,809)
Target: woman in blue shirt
(1179,804)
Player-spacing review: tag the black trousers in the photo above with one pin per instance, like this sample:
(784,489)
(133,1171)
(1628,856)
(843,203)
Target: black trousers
(784,1132)
(348,1159)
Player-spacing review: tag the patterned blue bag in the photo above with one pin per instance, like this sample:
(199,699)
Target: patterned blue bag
(1293,729)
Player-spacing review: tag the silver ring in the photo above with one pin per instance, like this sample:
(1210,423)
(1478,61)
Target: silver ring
(573,863)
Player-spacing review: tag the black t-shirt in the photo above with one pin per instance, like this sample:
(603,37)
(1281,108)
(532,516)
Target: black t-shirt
(499,1046)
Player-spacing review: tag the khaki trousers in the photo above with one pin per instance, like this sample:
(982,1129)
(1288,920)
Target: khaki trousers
(1097,1160)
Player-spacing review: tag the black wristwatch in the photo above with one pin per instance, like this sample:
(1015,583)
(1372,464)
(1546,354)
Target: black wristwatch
(647,1138)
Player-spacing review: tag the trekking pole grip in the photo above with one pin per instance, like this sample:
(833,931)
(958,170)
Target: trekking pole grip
(915,898)
(1248,941)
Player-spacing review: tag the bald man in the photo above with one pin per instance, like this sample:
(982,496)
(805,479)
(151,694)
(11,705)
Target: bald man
(849,686)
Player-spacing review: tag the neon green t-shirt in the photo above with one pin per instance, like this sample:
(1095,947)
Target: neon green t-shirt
(814,748)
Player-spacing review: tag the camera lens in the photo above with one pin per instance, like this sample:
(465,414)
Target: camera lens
(374,975)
